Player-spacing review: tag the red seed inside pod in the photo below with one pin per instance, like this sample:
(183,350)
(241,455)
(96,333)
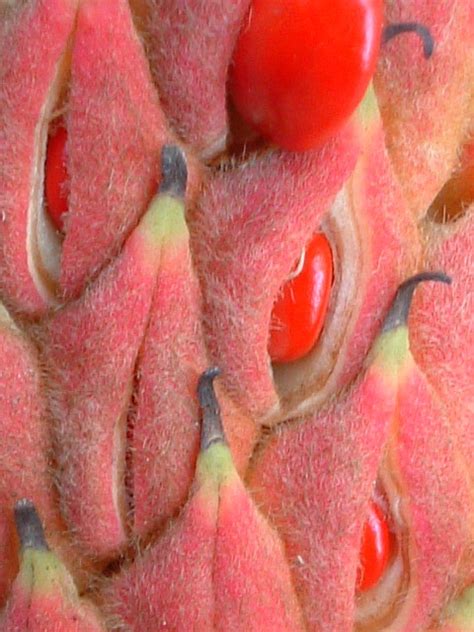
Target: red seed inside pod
(301,68)
(56,177)
(300,309)
(375,550)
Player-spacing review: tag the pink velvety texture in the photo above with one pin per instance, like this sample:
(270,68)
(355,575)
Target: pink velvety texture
(32,41)
(115,133)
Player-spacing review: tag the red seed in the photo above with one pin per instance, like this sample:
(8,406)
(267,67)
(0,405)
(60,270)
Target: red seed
(300,310)
(375,549)
(56,177)
(301,67)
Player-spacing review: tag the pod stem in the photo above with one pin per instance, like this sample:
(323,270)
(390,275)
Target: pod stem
(174,171)
(398,314)
(212,429)
(29,527)
(423,32)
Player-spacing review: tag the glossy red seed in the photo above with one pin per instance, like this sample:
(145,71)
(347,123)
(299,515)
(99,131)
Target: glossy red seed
(375,549)
(300,309)
(56,177)
(301,67)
